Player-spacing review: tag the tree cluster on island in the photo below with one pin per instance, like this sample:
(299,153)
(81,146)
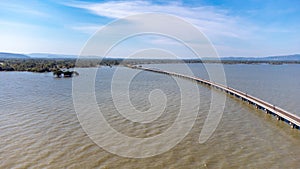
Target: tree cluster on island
(59,67)
(50,65)
(65,73)
(35,65)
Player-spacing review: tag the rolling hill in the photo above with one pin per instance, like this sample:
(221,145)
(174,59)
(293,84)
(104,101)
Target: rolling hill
(288,58)
(4,55)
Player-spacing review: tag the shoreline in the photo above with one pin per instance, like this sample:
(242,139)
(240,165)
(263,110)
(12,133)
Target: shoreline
(52,65)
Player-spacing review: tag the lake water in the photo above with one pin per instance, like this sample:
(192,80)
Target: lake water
(39,126)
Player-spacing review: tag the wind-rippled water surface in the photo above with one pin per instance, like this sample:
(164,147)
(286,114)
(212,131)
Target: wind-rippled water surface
(39,127)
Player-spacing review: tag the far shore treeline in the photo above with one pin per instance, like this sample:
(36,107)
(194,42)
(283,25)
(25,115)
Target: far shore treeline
(53,65)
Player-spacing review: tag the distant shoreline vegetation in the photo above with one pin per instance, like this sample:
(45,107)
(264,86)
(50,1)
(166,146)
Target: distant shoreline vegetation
(55,65)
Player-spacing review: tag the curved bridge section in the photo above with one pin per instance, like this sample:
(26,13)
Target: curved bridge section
(279,113)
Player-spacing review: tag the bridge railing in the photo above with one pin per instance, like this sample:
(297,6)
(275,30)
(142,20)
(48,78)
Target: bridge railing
(281,113)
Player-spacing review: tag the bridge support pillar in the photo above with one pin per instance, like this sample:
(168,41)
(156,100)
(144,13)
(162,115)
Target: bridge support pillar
(292,125)
(278,118)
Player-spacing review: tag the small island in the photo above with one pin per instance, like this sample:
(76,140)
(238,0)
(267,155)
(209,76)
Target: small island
(62,73)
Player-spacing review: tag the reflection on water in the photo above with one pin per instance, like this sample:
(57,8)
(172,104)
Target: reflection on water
(39,127)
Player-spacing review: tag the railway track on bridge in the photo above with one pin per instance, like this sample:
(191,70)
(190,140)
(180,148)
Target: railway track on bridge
(279,113)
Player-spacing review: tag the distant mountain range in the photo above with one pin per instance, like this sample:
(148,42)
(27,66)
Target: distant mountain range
(3,55)
(13,56)
(49,55)
(295,57)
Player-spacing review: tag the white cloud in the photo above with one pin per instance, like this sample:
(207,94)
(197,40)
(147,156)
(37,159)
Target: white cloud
(88,29)
(13,24)
(212,21)
(22,9)
(231,35)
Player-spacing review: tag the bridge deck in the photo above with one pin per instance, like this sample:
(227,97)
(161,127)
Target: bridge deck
(280,113)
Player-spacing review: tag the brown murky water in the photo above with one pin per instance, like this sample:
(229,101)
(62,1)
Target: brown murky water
(39,127)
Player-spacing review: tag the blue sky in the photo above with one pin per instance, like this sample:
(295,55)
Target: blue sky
(235,27)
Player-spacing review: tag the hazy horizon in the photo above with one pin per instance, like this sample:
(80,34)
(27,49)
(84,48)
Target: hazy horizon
(40,55)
